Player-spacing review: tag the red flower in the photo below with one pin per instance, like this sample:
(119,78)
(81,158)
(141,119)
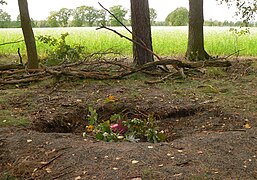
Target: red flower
(122,129)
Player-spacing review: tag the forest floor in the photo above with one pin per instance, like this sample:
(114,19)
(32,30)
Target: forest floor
(210,121)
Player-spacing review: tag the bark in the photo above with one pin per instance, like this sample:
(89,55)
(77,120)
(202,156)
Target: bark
(28,35)
(141,28)
(195,48)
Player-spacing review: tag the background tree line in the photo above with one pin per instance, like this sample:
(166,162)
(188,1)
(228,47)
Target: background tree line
(83,16)
(88,16)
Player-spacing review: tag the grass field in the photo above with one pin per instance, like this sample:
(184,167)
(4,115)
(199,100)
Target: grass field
(167,41)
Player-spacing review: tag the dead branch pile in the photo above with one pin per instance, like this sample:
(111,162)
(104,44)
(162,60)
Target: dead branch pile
(99,70)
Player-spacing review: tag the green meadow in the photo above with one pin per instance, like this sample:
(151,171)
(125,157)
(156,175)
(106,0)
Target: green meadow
(167,41)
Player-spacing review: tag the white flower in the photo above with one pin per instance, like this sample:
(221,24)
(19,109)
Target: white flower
(105,134)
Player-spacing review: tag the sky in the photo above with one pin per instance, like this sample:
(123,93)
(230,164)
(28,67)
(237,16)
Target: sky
(39,9)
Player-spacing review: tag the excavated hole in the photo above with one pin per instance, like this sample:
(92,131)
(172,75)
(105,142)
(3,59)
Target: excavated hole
(70,121)
(73,120)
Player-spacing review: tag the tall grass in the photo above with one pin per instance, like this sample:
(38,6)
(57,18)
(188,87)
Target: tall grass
(167,41)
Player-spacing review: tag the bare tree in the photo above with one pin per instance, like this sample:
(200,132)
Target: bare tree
(141,28)
(28,35)
(195,48)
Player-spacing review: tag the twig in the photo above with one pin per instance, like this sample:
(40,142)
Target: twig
(115,18)
(133,41)
(141,43)
(49,162)
(240,130)
(13,42)
(161,80)
(117,64)
(133,34)
(27,80)
(19,53)
(238,51)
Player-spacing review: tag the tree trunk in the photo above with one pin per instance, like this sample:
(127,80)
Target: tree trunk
(28,35)
(195,48)
(141,28)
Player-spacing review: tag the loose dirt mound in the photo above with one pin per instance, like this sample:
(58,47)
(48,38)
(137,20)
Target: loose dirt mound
(34,155)
(195,129)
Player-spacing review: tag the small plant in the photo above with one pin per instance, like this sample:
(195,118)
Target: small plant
(92,116)
(119,127)
(237,34)
(60,49)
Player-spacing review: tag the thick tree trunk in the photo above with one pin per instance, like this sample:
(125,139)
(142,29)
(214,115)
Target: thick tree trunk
(28,35)
(195,48)
(141,28)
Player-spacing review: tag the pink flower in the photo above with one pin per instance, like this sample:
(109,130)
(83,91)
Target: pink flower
(114,127)
(118,127)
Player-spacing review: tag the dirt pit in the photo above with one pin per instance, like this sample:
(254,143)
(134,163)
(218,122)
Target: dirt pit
(207,138)
(175,121)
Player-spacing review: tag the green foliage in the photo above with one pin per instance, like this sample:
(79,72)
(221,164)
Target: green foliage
(92,116)
(60,49)
(178,17)
(52,20)
(5,19)
(101,17)
(120,13)
(119,127)
(64,16)
(88,16)
(8,119)
(84,15)
(59,18)
(237,33)
(246,9)
(152,136)
(104,133)
(153,15)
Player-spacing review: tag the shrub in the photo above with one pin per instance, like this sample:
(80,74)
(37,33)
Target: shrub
(61,51)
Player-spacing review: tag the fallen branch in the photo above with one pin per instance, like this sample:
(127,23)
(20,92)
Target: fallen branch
(161,80)
(102,70)
(47,163)
(81,74)
(27,80)
(11,66)
(13,42)
(198,64)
